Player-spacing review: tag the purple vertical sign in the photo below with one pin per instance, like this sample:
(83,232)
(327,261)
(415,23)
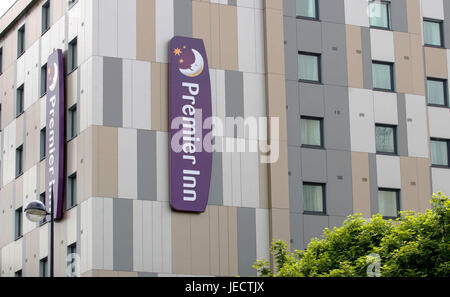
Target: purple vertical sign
(55,132)
(189,106)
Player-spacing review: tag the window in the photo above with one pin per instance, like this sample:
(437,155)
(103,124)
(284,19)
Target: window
(311,132)
(389,203)
(309,67)
(72,3)
(314,198)
(20,101)
(432,33)
(19,161)
(72,58)
(440,149)
(18,273)
(43,267)
(43,141)
(386,139)
(43,200)
(307,9)
(383,76)
(72,123)
(379,12)
(71,191)
(18,224)
(21,41)
(43,80)
(71,252)
(1,60)
(437,92)
(45,17)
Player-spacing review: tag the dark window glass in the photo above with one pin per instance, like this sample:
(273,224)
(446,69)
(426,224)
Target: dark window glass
(20,100)
(386,139)
(72,57)
(72,130)
(45,17)
(43,139)
(43,268)
(71,191)
(19,161)
(21,41)
(18,223)
(43,80)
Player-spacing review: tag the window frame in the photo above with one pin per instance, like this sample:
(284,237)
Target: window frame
(18,223)
(43,199)
(72,63)
(19,161)
(392,73)
(47,13)
(324,199)
(43,80)
(395,128)
(20,91)
(445,87)
(44,267)
(398,202)
(389,17)
(441,32)
(71,192)
(315,18)
(319,67)
(43,144)
(72,122)
(21,41)
(322,141)
(1,60)
(447,141)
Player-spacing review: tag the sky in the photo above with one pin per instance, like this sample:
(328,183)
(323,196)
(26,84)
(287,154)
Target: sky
(5,5)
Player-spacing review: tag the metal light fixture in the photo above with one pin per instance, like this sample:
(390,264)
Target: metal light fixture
(36,211)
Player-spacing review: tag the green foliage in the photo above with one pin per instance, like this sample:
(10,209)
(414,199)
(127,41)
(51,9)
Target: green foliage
(415,245)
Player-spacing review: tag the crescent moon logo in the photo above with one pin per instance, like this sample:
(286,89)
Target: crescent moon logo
(196,67)
(53,80)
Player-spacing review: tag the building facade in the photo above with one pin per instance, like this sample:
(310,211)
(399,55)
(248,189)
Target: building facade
(359,88)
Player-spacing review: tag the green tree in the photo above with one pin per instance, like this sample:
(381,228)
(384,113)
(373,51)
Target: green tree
(415,245)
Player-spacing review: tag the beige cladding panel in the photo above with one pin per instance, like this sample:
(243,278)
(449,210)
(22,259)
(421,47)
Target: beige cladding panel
(417,63)
(58,9)
(8,95)
(410,194)
(71,88)
(424,183)
(85,150)
(71,157)
(228,38)
(33,26)
(354,57)
(205,244)
(7,214)
(105,162)
(201,27)
(403,67)
(145,30)
(414,16)
(361,184)
(436,62)
(274,42)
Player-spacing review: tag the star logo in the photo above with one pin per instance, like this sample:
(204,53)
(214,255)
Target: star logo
(177,52)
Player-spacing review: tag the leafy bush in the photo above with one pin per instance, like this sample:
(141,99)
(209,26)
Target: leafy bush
(415,245)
